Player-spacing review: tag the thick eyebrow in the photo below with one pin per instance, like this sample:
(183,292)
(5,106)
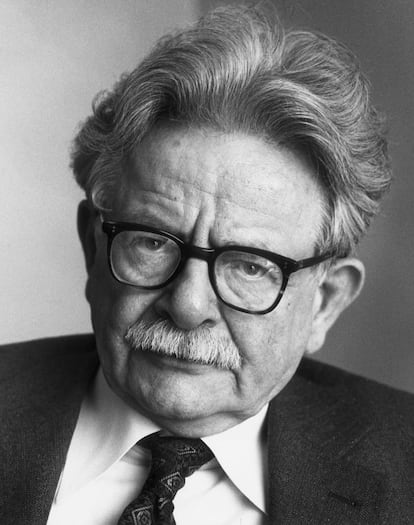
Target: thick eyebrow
(140,217)
(148,218)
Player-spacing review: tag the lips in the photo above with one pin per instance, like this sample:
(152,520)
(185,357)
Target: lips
(164,360)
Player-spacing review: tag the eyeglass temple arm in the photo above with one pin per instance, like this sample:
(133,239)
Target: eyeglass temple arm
(312,261)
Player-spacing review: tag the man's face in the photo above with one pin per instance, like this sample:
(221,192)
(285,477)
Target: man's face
(212,190)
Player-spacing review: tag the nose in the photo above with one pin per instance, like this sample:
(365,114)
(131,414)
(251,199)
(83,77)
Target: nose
(189,301)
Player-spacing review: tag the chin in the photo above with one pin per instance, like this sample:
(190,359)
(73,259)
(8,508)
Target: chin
(173,399)
(182,407)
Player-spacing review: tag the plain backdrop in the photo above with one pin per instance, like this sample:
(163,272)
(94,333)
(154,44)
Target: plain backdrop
(55,56)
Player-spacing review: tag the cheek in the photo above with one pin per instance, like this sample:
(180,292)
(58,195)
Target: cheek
(299,315)
(273,345)
(113,303)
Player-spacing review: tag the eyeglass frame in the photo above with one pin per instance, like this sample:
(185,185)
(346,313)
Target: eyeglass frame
(209,255)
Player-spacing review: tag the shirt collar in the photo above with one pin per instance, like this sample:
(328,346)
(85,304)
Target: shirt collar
(106,429)
(110,428)
(241,452)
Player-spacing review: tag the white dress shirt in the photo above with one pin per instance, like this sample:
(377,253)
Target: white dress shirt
(105,469)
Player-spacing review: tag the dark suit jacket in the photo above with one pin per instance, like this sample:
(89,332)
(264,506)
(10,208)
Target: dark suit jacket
(341,448)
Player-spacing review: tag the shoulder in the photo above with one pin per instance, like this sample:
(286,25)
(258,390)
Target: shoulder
(338,433)
(378,404)
(348,416)
(63,344)
(42,384)
(52,348)
(30,369)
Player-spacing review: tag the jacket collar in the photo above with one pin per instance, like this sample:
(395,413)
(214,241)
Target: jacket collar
(314,433)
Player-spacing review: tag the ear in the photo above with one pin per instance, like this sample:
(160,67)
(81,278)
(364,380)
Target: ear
(338,287)
(86,225)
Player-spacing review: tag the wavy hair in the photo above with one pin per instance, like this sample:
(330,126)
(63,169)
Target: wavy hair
(237,70)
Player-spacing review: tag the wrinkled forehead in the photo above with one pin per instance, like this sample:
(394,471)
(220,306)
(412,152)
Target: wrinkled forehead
(237,177)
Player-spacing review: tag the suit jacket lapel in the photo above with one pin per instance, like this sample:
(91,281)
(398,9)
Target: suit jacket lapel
(39,429)
(314,473)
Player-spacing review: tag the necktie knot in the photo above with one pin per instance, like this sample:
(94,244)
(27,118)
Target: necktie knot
(173,459)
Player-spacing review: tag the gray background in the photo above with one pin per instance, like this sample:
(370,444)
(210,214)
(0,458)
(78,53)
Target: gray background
(56,55)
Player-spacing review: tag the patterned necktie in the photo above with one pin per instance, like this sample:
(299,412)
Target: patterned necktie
(173,459)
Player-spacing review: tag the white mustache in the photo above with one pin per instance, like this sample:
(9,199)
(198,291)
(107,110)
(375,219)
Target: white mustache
(198,345)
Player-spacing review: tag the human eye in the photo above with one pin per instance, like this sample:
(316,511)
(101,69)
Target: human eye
(149,242)
(249,266)
(143,248)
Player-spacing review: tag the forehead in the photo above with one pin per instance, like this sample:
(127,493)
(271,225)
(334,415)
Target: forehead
(233,184)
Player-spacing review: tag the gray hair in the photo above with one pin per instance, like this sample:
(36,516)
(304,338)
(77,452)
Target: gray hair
(237,71)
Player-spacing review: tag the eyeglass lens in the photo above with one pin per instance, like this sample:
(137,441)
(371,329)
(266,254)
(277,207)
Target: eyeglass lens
(144,258)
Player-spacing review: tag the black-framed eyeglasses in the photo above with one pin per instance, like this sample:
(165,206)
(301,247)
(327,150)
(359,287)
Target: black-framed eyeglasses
(247,279)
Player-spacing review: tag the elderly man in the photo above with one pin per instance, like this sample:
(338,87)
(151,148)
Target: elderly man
(228,178)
